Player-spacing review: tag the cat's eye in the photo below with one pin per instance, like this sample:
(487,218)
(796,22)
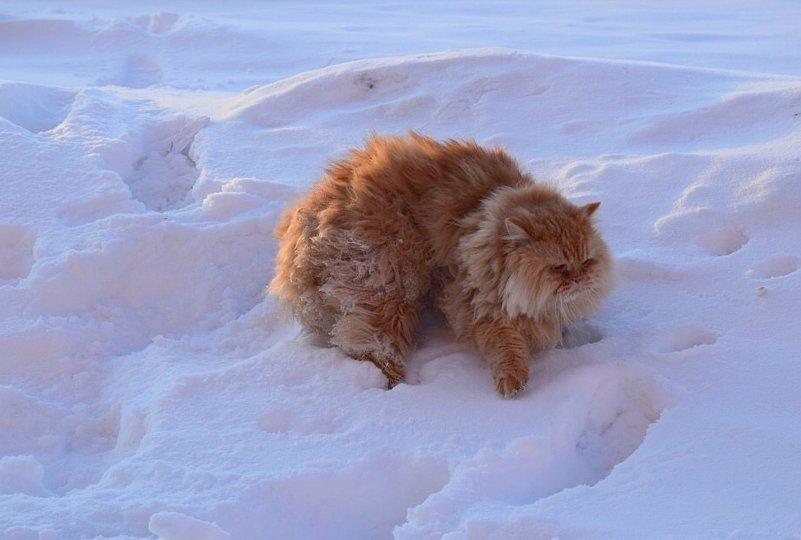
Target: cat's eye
(559,268)
(587,263)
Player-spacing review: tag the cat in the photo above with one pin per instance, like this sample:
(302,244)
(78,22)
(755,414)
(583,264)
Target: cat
(510,261)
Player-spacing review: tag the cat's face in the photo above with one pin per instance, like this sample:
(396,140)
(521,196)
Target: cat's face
(555,261)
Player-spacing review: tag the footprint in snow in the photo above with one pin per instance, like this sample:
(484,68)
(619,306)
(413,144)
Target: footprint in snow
(724,241)
(34,108)
(580,335)
(140,71)
(162,177)
(775,267)
(683,338)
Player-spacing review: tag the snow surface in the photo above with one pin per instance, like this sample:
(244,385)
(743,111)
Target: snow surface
(148,388)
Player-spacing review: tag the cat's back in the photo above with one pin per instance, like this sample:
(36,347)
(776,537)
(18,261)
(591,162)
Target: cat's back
(409,178)
(388,172)
(417,170)
(468,174)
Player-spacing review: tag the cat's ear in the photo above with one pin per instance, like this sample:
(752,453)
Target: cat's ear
(590,208)
(515,231)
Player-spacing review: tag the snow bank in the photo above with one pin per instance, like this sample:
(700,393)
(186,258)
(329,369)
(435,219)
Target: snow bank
(147,387)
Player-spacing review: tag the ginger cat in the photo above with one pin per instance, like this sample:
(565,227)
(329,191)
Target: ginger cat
(511,262)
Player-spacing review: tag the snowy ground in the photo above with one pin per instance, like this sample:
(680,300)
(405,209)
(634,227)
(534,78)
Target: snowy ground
(147,387)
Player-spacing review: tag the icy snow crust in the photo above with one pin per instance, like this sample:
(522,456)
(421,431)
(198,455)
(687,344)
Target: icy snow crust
(147,386)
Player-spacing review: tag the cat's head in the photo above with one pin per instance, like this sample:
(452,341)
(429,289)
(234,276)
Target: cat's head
(555,261)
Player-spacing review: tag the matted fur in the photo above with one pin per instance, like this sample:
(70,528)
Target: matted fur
(510,261)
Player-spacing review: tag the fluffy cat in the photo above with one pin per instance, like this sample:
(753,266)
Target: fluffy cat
(510,262)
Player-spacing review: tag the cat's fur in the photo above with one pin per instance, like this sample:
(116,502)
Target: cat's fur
(510,261)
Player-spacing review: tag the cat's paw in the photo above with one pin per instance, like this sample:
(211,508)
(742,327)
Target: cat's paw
(509,383)
(393,371)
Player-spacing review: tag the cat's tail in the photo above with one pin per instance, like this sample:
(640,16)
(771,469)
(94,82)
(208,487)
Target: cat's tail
(297,269)
(283,223)
(288,235)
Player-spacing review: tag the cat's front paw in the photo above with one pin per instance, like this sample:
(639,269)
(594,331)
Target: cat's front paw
(511,382)
(393,371)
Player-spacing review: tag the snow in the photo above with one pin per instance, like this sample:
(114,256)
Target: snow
(174,525)
(148,388)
